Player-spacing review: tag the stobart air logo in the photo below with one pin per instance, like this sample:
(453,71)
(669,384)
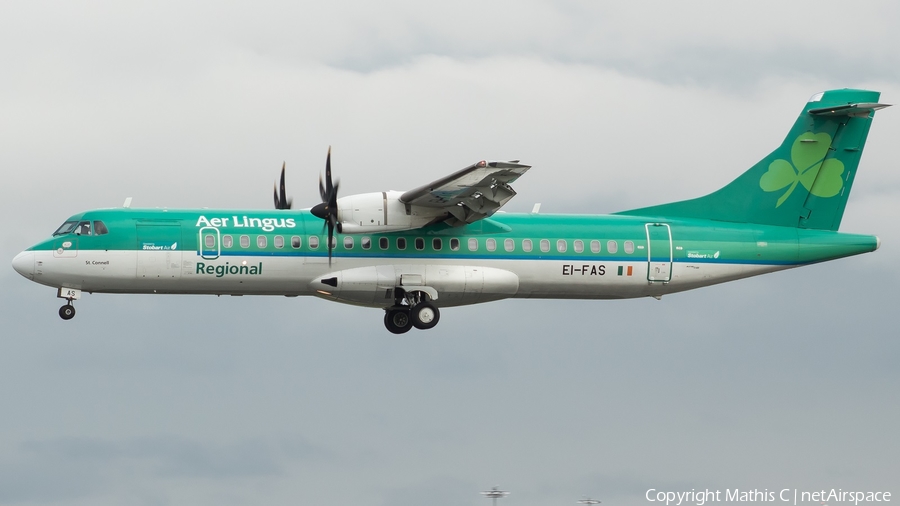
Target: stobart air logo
(807,154)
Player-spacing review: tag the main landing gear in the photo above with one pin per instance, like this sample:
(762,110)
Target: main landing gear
(418,312)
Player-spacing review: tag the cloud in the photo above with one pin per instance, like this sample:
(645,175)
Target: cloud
(67,468)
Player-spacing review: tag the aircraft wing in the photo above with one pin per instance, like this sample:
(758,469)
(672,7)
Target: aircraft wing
(470,194)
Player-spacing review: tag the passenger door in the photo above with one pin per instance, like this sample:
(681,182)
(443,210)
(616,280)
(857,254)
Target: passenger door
(659,252)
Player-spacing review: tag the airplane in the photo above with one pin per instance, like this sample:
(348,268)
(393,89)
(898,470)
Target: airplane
(443,244)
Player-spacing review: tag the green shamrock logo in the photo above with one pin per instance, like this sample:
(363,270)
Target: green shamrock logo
(807,154)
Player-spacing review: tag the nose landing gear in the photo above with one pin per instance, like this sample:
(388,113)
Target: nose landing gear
(67,312)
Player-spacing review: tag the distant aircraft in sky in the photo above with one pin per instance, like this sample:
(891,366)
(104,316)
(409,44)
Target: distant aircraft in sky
(441,245)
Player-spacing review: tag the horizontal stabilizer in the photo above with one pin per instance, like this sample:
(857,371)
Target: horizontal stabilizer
(864,109)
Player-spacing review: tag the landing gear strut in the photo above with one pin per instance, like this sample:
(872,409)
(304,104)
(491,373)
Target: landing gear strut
(411,309)
(67,312)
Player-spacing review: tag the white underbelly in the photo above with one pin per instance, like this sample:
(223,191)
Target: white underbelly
(187,272)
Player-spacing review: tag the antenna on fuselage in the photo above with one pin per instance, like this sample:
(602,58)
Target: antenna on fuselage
(127,202)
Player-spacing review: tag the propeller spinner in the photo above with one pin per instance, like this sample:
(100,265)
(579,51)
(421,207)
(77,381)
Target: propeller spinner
(328,208)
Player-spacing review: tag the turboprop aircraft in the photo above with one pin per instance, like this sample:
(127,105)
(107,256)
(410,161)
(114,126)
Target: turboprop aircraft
(413,253)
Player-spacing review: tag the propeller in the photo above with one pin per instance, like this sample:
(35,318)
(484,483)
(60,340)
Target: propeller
(282,202)
(328,208)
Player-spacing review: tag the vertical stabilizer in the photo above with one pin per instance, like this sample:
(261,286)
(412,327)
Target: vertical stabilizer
(806,181)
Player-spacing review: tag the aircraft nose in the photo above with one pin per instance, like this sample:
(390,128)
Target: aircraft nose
(23,263)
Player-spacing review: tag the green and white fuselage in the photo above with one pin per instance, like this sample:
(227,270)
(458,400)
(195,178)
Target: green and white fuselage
(442,245)
(594,257)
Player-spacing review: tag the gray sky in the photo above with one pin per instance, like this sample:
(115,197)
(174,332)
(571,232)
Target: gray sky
(783,381)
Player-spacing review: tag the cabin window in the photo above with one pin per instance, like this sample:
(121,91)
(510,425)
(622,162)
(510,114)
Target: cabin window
(561,245)
(454,244)
(84,228)
(473,244)
(209,241)
(100,228)
(491,244)
(333,242)
(595,246)
(420,243)
(279,241)
(527,245)
(629,247)
(227,241)
(261,241)
(437,244)
(295,242)
(545,245)
(66,228)
(365,242)
(509,244)
(401,243)
(313,242)
(578,246)
(383,243)
(348,242)
(245,241)
(612,246)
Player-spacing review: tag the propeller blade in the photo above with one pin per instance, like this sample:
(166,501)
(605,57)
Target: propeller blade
(330,237)
(327,210)
(328,186)
(285,203)
(281,201)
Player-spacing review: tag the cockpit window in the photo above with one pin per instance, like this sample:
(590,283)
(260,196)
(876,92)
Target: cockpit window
(84,228)
(66,228)
(100,228)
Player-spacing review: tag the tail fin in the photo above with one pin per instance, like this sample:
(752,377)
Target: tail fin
(805,182)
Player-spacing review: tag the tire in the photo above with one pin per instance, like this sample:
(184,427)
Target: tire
(397,321)
(424,315)
(67,312)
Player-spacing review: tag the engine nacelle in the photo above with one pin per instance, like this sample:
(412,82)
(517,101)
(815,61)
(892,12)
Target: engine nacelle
(381,212)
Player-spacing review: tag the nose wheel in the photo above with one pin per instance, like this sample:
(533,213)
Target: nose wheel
(67,312)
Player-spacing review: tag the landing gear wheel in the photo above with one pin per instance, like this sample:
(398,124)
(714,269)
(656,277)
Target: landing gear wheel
(424,315)
(397,321)
(67,312)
